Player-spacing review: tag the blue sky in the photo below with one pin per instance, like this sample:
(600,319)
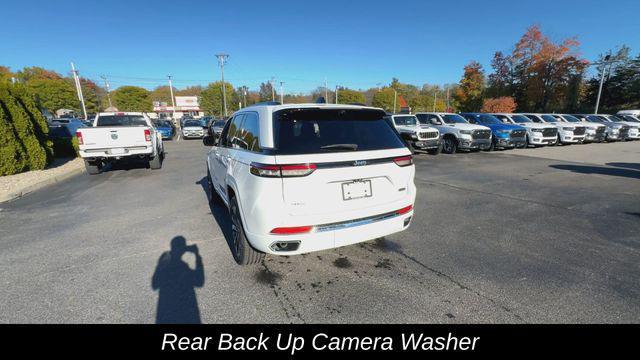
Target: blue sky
(357,44)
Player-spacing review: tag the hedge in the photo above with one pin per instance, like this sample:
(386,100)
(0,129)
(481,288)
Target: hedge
(66,147)
(40,127)
(36,155)
(12,154)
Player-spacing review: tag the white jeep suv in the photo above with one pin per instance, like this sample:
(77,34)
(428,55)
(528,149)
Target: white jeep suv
(305,177)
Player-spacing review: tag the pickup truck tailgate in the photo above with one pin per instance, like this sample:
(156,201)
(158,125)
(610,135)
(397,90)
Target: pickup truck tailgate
(112,137)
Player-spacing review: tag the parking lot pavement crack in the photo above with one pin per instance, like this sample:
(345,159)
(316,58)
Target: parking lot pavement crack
(459,284)
(286,305)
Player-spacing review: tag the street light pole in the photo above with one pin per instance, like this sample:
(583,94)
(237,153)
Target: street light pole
(173,103)
(336,94)
(222,59)
(395,96)
(273,90)
(244,96)
(281,92)
(106,85)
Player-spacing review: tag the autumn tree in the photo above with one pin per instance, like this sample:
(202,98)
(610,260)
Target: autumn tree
(162,94)
(384,99)
(347,96)
(189,91)
(5,74)
(504,104)
(131,98)
(471,88)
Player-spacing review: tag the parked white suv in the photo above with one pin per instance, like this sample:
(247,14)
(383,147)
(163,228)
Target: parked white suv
(305,177)
(456,132)
(538,134)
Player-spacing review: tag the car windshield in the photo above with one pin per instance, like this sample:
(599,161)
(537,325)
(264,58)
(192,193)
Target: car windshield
(488,119)
(630,118)
(308,131)
(594,118)
(163,124)
(520,119)
(121,120)
(194,123)
(570,118)
(453,119)
(405,120)
(549,118)
(614,118)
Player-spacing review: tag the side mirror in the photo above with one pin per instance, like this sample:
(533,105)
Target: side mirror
(209,140)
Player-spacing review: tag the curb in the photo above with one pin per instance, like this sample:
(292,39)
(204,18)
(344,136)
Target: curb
(37,186)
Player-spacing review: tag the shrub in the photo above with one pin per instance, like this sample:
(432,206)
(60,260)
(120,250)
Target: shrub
(65,147)
(40,127)
(12,154)
(36,155)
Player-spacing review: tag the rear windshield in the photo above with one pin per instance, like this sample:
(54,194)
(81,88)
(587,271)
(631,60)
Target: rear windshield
(310,131)
(121,120)
(454,119)
(194,123)
(570,118)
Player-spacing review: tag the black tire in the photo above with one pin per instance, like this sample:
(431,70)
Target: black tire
(435,151)
(156,162)
(492,147)
(214,198)
(449,145)
(93,168)
(242,251)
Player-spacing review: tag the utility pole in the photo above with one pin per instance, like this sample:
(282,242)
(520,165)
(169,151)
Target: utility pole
(273,90)
(76,79)
(435,98)
(336,94)
(244,96)
(604,70)
(281,92)
(447,99)
(326,91)
(395,97)
(173,103)
(222,59)
(106,85)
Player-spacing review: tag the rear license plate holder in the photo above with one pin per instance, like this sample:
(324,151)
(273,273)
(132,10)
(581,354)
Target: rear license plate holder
(117,151)
(357,189)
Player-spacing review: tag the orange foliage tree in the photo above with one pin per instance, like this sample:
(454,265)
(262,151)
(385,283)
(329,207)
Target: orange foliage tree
(504,104)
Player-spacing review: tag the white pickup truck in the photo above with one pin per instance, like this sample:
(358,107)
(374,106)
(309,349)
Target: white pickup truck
(117,136)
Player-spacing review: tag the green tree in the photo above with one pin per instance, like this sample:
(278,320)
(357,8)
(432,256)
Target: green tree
(211,99)
(13,157)
(35,154)
(470,91)
(346,96)
(162,94)
(54,94)
(93,95)
(132,98)
(5,74)
(38,121)
(267,91)
(35,72)
(384,99)
(189,91)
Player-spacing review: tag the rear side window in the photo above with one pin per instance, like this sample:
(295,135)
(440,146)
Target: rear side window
(121,120)
(248,137)
(309,131)
(233,129)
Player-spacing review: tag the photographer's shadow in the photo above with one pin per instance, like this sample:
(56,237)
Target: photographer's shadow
(176,283)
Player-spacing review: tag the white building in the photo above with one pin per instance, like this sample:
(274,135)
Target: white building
(185,106)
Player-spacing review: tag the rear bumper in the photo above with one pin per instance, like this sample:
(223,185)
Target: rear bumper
(115,153)
(330,236)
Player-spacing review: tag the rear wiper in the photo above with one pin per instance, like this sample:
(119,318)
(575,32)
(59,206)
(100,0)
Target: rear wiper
(352,147)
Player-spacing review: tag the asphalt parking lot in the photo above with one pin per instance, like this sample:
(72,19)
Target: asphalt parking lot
(524,236)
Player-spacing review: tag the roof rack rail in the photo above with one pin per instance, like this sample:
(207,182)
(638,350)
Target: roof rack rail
(266,103)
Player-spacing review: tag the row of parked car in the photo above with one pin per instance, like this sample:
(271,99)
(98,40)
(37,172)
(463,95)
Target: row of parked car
(449,132)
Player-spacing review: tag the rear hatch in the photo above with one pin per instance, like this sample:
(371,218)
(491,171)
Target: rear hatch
(358,164)
(116,131)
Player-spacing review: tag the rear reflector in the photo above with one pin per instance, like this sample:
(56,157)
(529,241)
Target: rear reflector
(295,170)
(291,230)
(404,160)
(79,136)
(147,135)
(404,210)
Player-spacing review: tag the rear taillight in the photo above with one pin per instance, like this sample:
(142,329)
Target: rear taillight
(147,135)
(295,170)
(291,230)
(404,160)
(404,210)
(79,136)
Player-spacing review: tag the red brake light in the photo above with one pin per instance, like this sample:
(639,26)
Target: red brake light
(79,136)
(291,230)
(294,170)
(147,135)
(404,160)
(404,210)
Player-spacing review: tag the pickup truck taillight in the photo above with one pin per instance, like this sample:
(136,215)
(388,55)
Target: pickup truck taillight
(147,135)
(79,136)
(296,170)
